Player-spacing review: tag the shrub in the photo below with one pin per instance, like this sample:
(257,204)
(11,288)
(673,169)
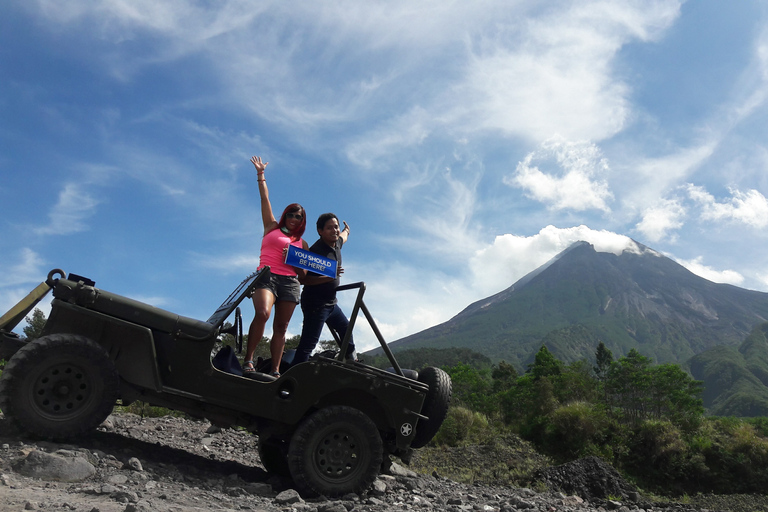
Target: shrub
(661,458)
(575,430)
(463,426)
(737,457)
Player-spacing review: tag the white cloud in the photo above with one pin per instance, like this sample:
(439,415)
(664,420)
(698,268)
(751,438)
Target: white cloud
(552,73)
(407,130)
(645,179)
(511,257)
(184,24)
(67,215)
(763,278)
(26,270)
(659,220)
(519,74)
(576,182)
(750,208)
(513,67)
(717,276)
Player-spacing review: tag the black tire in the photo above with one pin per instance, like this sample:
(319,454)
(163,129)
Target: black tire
(59,386)
(274,456)
(435,404)
(336,451)
(408,374)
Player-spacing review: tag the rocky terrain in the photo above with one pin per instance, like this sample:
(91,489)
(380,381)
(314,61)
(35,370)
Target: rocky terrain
(179,465)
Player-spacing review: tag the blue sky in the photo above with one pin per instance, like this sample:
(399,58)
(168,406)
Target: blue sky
(465,143)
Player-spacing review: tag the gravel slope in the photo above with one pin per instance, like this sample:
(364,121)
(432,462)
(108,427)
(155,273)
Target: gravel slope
(179,465)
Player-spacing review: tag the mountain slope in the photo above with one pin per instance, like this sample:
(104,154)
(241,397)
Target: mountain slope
(735,378)
(638,299)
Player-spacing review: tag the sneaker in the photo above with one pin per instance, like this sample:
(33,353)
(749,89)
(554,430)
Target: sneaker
(351,358)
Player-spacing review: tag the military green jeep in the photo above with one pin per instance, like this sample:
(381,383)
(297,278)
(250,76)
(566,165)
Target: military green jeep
(328,423)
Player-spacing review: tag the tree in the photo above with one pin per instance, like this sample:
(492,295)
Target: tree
(292,342)
(603,358)
(504,376)
(35,326)
(526,405)
(663,392)
(676,396)
(545,364)
(327,345)
(577,384)
(472,388)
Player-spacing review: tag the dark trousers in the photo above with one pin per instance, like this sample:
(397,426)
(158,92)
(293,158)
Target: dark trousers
(314,319)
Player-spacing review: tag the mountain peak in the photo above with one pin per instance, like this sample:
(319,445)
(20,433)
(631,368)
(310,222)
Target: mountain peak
(622,293)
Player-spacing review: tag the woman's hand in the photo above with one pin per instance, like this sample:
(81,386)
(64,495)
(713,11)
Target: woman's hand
(258,164)
(267,216)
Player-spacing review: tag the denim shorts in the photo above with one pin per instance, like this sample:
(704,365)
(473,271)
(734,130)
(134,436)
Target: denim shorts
(285,288)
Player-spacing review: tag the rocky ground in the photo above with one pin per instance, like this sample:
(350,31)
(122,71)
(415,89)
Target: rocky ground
(178,465)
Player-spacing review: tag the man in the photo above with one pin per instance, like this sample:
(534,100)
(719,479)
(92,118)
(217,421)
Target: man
(318,299)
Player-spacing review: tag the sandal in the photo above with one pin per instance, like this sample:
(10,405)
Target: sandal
(275,374)
(248,367)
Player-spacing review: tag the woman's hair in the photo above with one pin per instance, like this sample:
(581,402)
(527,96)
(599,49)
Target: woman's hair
(294,208)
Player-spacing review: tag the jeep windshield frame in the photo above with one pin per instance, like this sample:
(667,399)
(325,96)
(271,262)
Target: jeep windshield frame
(243,290)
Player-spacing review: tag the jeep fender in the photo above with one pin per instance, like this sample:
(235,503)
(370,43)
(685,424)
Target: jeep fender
(131,347)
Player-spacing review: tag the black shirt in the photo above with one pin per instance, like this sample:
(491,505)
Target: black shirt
(318,295)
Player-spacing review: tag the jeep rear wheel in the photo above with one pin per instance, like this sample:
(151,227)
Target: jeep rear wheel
(435,404)
(335,451)
(59,386)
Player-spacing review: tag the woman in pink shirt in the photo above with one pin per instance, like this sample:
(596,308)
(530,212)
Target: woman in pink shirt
(282,289)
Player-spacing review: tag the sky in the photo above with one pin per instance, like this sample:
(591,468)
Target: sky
(465,143)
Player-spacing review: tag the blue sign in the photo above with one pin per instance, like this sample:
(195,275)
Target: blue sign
(300,258)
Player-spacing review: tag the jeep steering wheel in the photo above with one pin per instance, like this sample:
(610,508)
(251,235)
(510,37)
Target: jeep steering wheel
(238,330)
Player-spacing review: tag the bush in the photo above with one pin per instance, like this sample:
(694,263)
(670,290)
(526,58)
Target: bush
(737,457)
(575,430)
(661,458)
(462,427)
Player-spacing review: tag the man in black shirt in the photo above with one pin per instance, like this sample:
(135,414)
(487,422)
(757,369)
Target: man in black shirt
(318,299)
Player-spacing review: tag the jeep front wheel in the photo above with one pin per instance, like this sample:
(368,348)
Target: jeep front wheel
(337,450)
(59,386)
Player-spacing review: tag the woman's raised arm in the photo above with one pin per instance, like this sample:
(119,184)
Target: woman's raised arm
(267,216)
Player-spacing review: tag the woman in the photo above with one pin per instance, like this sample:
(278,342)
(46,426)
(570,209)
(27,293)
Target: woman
(282,289)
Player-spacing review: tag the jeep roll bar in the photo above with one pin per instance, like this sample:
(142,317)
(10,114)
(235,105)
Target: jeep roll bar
(360,306)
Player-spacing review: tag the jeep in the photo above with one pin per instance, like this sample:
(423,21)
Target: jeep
(330,424)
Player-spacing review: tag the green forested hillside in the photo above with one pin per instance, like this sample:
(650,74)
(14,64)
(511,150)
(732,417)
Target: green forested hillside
(735,378)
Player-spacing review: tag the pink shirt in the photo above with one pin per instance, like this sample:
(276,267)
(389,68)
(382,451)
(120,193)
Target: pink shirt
(272,246)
